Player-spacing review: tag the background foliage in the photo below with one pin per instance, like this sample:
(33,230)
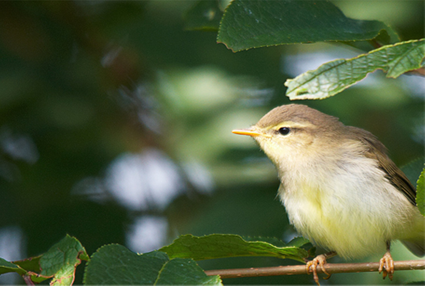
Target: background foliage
(115,127)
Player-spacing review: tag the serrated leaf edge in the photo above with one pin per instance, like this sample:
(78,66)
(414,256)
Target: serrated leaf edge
(342,61)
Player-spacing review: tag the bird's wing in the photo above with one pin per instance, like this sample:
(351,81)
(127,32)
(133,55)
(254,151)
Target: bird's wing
(376,150)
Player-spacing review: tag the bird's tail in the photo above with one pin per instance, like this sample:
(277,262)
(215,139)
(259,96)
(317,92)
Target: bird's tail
(415,246)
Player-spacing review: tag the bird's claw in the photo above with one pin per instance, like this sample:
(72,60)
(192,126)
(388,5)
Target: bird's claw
(386,266)
(312,267)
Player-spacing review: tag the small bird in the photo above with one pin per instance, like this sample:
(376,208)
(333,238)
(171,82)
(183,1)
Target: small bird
(340,189)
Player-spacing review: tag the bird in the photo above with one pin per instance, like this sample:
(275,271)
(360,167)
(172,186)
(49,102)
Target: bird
(339,187)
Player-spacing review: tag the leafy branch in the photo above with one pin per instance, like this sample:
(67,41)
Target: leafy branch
(174,264)
(171,265)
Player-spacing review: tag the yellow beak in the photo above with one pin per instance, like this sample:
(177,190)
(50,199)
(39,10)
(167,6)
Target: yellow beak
(248,132)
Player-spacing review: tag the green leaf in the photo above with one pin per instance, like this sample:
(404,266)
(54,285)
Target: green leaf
(299,242)
(23,268)
(226,245)
(421,193)
(250,24)
(204,15)
(116,265)
(335,76)
(7,267)
(185,272)
(272,240)
(30,264)
(61,260)
(58,263)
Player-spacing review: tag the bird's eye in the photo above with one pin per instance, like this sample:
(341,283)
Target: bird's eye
(284,130)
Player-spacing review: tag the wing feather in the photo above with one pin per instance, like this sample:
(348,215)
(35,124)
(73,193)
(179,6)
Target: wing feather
(376,150)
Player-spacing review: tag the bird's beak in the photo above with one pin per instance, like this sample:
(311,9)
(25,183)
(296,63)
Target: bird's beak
(250,132)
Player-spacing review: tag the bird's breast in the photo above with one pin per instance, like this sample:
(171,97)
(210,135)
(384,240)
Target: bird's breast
(352,210)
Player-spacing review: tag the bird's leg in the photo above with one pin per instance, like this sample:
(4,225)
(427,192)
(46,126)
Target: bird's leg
(386,263)
(321,261)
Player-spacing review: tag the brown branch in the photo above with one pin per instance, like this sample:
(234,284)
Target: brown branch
(301,269)
(27,279)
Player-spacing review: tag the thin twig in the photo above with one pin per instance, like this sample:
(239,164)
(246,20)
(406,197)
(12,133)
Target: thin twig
(301,269)
(28,281)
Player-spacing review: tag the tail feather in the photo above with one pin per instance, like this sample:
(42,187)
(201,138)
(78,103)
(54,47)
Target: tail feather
(415,246)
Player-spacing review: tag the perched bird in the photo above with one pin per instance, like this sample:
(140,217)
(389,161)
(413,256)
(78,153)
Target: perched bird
(339,187)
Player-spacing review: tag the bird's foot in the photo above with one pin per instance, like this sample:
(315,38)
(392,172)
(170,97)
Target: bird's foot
(312,267)
(386,266)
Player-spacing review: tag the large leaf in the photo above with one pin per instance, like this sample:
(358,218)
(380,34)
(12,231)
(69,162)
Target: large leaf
(226,245)
(421,193)
(61,260)
(249,24)
(116,265)
(204,15)
(335,76)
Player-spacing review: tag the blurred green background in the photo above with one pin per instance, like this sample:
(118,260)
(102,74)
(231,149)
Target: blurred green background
(115,127)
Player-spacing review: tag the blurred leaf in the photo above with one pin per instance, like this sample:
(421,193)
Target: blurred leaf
(251,24)
(228,245)
(116,265)
(413,169)
(335,76)
(420,199)
(61,260)
(205,15)
(416,283)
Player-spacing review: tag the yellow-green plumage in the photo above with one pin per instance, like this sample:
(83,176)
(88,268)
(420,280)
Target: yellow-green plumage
(338,185)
